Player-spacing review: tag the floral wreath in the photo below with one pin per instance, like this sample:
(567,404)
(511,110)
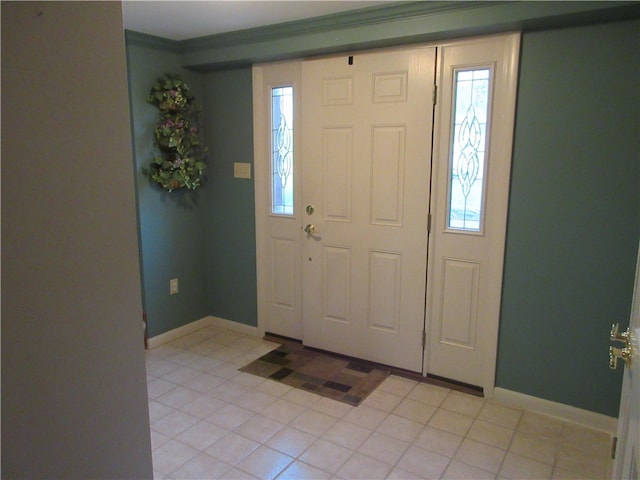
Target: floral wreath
(180,163)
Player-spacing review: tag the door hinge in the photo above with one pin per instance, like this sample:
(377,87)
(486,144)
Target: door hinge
(435,94)
(429,223)
(614,446)
(424,339)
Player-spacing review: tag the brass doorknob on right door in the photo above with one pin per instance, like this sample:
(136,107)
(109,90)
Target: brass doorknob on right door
(615,353)
(310,228)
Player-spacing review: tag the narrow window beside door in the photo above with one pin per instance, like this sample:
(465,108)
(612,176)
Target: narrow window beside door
(282,150)
(467,154)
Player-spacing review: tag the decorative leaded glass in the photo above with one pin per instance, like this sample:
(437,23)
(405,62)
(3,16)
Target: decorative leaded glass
(467,161)
(282,150)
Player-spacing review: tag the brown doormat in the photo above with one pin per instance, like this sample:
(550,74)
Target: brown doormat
(344,380)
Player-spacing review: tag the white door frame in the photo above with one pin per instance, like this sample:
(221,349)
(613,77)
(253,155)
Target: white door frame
(508,75)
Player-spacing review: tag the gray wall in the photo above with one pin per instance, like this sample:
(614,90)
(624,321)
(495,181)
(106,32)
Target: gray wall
(74,400)
(573,214)
(172,225)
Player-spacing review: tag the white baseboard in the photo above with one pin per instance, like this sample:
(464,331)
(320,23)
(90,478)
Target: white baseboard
(561,411)
(179,332)
(208,321)
(234,326)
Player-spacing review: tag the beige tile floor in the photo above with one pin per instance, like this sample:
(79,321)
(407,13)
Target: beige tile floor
(208,420)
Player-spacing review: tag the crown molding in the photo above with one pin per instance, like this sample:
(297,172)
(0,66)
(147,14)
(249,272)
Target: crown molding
(338,21)
(382,26)
(152,41)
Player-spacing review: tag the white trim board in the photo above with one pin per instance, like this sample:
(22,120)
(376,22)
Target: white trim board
(208,321)
(561,411)
(234,326)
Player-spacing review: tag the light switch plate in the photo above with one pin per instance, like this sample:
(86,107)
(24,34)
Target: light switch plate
(173,286)
(241,170)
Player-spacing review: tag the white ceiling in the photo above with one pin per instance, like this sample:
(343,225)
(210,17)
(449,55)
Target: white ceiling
(183,19)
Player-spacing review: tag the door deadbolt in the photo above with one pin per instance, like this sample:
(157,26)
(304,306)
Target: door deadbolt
(623,337)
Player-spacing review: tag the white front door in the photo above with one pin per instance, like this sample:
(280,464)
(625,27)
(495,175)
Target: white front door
(366,181)
(627,458)
(366,154)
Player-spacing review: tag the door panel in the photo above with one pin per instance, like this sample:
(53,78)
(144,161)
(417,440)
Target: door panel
(336,280)
(387,175)
(278,240)
(284,258)
(472,154)
(384,291)
(366,171)
(459,315)
(338,148)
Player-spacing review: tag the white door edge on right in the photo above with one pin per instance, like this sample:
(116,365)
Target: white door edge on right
(627,460)
(465,270)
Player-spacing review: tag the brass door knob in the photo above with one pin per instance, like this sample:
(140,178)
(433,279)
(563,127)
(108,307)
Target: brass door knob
(615,353)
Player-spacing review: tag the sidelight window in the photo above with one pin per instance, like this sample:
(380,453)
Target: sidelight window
(467,162)
(282,150)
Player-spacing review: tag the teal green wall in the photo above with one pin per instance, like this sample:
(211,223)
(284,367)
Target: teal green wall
(573,214)
(172,226)
(205,238)
(231,238)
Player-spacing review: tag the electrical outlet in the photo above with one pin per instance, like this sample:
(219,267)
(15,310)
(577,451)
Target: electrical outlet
(173,286)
